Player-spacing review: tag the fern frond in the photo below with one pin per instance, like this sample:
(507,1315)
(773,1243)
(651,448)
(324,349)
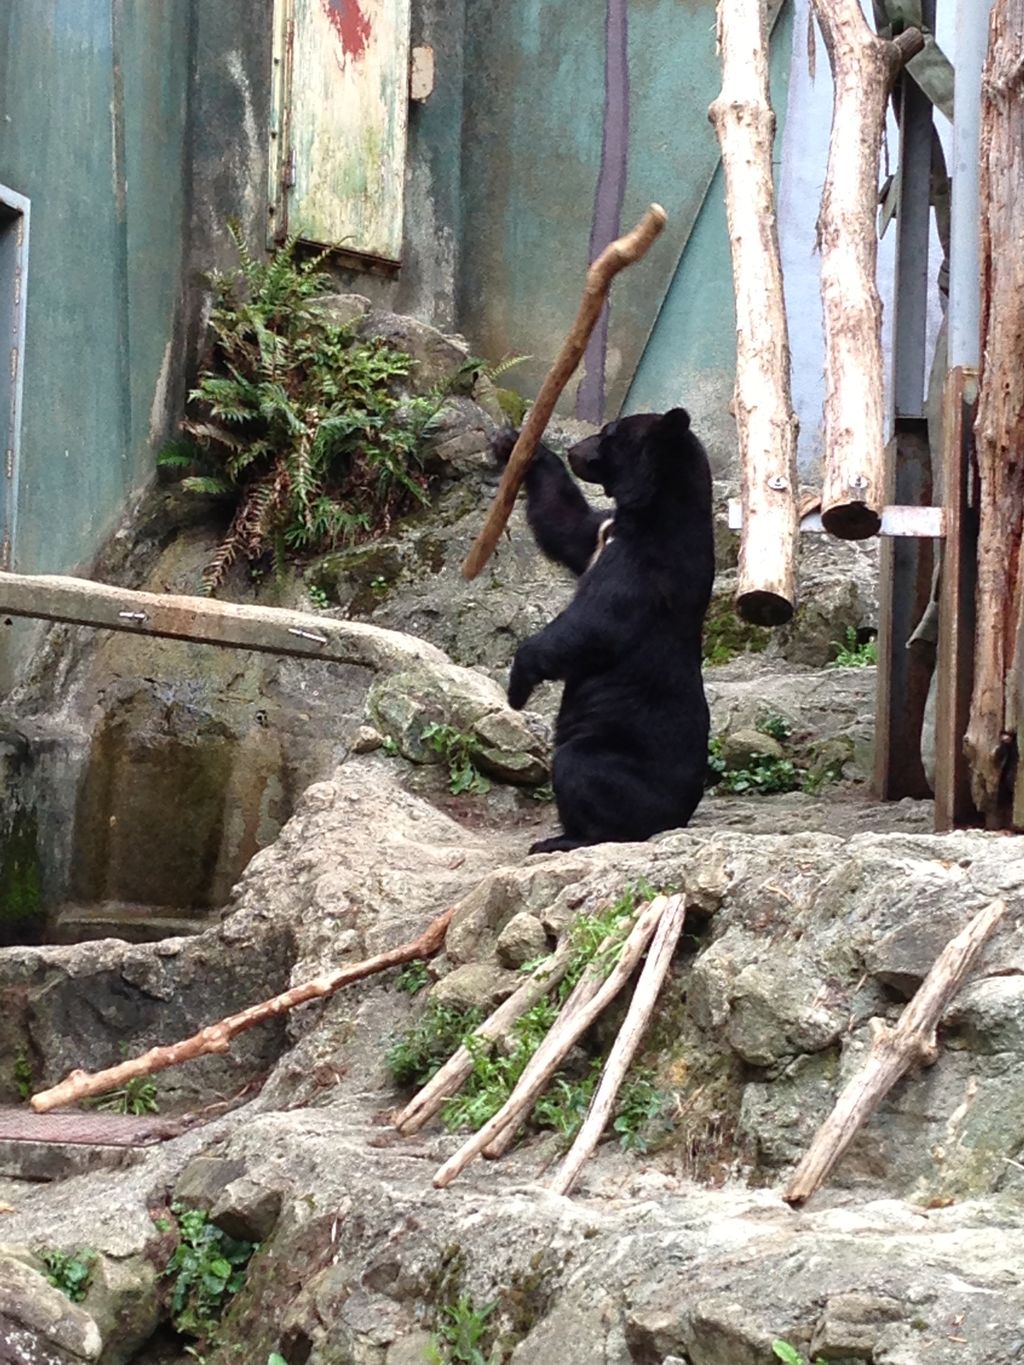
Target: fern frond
(206,483)
(178,455)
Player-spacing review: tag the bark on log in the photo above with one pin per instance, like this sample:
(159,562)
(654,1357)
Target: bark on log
(566,1030)
(615,257)
(623,1049)
(863,69)
(766,424)
(996,703)
(231,625)
(425,1104)
(893,1051)
(78,1085)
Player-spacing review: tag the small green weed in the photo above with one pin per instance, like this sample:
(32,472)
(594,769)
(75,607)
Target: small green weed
(496,1071)
(564,1104)
(414,1057)
(138,1096)
(389,748)
(789,1355)
(456,749)
(413,978)
(70,1271)
(23,1080)
(599,938)
(640,1104)
(851,654)
(765,776)
(275,1359)
(461,1334)
(208,1268)
(379,583)
(775,725)
(545,792)
(317,597)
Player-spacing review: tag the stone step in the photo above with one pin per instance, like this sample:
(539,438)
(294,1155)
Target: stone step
(73,923)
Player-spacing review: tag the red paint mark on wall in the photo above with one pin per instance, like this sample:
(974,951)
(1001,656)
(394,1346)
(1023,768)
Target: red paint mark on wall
(350,24)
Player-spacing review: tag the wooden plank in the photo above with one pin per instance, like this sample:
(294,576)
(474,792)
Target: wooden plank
(232,625)
(955,661)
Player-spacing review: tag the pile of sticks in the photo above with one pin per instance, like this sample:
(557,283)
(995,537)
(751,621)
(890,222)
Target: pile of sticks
(653,929)
(657,924)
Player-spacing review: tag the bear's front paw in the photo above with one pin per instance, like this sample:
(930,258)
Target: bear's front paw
(520,684)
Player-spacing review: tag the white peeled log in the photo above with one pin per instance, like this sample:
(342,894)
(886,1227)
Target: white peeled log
(766,424)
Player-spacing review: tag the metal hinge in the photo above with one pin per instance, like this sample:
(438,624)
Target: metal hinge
(9,463)
(5,553)
(14,363)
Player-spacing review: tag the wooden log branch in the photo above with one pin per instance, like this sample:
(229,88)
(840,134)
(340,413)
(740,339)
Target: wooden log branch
(233,625)
(562,1036)
(580,997)
(615,257)
(893,1052)
(997,706)
(766,423)
(79,1085)
(863,69)
(426,1102)
(624,1048)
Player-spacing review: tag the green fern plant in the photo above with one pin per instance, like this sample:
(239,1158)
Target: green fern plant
(296,419)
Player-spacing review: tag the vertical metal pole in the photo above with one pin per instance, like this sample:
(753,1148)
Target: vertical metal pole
(955,663)
(905,564)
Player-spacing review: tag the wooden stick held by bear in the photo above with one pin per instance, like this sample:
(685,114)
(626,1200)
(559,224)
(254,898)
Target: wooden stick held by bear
(615,257)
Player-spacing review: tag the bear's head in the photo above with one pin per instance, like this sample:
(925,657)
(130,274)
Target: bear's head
(637,459)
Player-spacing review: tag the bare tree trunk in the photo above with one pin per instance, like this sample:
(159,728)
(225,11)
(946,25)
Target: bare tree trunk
(863,69)
(766,424)
(999,428)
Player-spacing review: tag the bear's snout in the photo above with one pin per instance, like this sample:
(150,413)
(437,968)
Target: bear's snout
(585,460)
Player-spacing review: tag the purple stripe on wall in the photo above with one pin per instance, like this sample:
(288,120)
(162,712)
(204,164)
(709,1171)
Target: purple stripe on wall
(611,190)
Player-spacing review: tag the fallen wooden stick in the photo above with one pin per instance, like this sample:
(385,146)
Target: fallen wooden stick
(623,1049)
(426,1102)
(581,995)
(615,257)
(561,1037)
(217,1037)
(893,1051)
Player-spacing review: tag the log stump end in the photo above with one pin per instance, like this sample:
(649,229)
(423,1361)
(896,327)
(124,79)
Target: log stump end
(760,607)
(851,520)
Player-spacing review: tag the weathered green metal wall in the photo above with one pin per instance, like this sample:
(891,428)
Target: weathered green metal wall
(540,116)
(690,356)
(93,114)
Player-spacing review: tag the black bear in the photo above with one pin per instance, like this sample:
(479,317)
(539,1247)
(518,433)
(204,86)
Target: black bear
(631,740)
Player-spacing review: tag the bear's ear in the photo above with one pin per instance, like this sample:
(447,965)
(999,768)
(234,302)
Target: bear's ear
(676,422)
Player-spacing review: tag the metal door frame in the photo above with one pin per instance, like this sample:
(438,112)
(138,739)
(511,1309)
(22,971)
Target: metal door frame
(14,223)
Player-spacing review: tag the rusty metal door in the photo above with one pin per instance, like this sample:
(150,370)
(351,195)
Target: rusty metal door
(13,262)
(341,96)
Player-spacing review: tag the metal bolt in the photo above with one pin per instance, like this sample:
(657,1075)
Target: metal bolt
(307,635)
(132,615)
(858,483)
(777,484)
